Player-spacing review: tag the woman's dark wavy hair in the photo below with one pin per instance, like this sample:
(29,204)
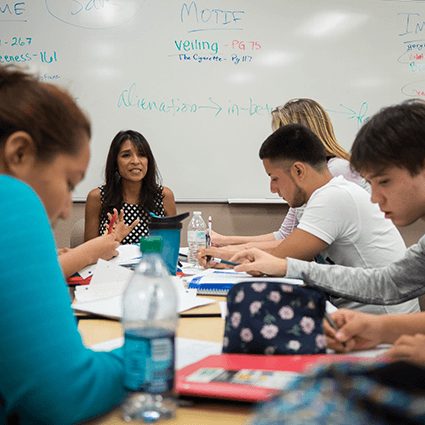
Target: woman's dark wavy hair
(395,136)
(113,183)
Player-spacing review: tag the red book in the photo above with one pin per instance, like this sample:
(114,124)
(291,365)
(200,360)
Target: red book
(247,377)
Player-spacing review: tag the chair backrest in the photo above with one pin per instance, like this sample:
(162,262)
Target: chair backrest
(77,234)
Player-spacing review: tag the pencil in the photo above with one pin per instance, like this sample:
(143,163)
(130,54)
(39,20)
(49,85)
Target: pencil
(219,260)
(333,324)
(111,224)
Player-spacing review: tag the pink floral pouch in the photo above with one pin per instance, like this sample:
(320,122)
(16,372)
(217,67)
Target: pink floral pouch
(274,318)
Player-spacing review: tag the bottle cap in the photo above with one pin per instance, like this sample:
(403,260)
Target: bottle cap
(151,244)
(197,212)
(169,222)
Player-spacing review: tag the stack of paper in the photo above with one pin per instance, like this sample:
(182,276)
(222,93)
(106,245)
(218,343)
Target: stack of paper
(104,295)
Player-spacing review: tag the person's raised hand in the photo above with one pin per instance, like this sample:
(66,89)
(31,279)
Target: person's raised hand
(121,230)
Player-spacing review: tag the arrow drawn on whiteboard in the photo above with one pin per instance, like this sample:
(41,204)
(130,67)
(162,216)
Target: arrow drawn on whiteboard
(359,116)
(217,107)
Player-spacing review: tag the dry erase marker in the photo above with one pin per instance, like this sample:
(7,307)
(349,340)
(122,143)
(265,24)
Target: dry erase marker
(219,260)
(111,224)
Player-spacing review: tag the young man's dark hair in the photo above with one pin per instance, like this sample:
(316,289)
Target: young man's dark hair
(294,142)
(393,137)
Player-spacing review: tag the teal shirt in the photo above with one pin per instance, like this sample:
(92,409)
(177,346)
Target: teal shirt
(47,376)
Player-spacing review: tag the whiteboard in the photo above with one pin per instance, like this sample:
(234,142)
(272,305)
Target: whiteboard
(199,78)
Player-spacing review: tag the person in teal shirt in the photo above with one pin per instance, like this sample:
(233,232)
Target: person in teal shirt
(47,376)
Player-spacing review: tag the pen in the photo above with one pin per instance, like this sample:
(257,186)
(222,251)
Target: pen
(111,224)
(208,241)
(219,260)
(333,324)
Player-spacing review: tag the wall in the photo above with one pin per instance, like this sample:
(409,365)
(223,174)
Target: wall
(235,219)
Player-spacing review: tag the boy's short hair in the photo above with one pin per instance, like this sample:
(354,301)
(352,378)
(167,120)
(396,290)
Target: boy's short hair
(395,136)
(294,142)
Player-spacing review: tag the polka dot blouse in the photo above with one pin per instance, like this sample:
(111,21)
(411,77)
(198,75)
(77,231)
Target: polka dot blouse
(131,212)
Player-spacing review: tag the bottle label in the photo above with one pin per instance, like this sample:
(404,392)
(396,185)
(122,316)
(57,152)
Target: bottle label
(149,360)
(196,236)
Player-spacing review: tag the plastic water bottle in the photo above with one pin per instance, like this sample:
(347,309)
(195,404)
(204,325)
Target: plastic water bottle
(149,321)
(196,236)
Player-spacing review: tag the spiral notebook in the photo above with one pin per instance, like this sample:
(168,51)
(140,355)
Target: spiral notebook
(219,282)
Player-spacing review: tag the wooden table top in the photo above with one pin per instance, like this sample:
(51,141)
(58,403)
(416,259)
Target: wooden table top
(199,411)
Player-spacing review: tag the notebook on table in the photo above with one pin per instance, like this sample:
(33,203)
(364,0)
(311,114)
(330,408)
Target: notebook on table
(246,377)
(219,282)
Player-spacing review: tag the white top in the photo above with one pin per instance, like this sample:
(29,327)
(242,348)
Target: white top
(337,167)
(342,215)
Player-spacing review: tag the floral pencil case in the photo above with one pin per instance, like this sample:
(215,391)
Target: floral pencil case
(274,318)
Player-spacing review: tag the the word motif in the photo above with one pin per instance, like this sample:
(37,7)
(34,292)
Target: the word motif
(221,18)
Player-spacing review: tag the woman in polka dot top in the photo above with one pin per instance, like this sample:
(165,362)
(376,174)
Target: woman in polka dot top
(131,188)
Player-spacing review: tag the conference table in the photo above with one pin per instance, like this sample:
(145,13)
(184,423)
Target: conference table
(201,323)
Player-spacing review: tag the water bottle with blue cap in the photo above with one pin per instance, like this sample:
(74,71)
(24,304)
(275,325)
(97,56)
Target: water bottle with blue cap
(150,320)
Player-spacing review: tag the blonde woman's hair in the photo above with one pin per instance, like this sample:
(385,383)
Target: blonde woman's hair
(310,114)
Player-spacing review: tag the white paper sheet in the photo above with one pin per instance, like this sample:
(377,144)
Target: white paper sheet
(188,350)
(109,280)
(127,254)
(104,294)
(112,307)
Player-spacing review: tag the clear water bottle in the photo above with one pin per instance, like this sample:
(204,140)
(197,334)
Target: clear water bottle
(196,236)
(150,320)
